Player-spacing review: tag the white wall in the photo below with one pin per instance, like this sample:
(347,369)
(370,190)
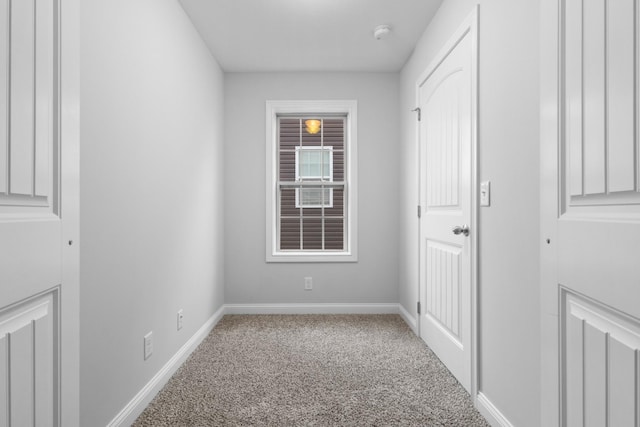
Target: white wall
(151,194)
(508,230)
(248,278)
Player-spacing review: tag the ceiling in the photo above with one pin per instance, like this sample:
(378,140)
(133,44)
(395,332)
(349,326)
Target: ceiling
(310,35)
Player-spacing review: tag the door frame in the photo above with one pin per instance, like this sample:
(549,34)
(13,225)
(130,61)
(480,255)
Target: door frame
(469,26)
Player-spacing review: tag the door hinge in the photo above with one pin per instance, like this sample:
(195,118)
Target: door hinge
(419,111)
(419,211)
(418,307)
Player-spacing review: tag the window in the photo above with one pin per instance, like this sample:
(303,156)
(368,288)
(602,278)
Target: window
(311,181)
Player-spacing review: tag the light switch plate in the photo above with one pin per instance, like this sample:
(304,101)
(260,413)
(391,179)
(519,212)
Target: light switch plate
(148,345)
(485,193)
(180,318)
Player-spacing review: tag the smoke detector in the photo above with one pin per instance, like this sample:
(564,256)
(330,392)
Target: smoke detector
(381,31)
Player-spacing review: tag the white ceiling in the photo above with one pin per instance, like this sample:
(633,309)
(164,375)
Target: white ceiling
(310,35)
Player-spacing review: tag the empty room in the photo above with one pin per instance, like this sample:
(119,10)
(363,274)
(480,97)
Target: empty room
(319,212)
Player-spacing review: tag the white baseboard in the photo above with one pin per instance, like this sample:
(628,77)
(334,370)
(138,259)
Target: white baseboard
(134,408)
(311,308)
(409,319)
(490,412)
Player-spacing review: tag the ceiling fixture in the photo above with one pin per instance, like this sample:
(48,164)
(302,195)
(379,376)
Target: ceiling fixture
(381,31)
(313,126)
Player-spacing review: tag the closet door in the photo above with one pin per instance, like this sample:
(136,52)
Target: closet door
(31,212)
(591,190)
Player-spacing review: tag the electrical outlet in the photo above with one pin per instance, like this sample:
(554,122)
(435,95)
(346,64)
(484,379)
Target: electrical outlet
(308,283)
(180,318)
(148,345)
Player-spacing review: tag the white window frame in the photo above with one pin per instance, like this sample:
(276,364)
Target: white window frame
(329,203)
(343,107)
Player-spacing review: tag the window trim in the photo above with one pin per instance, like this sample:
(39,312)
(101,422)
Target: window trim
(344,107)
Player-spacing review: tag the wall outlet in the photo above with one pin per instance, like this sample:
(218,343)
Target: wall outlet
(180,318)
(308,283)
(148,345)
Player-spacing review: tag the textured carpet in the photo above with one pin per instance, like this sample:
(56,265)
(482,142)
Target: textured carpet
(312,370)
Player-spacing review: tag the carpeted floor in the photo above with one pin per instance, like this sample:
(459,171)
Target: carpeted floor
(312,370)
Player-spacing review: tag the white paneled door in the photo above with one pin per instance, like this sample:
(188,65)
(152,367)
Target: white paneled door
(445,99)
(591,213)
(31,211)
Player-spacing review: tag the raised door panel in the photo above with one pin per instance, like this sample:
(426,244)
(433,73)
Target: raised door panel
(443,287)
(601,374)
(27,135)
(573,97)
(600,99)
(594,344)
(28,371)
(593,85)
(623,392)
(44,339)
(21,375)
(574,378)
(443,135)
(22,97)
(621,76)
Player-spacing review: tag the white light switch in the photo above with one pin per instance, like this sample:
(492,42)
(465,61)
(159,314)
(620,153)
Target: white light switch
(485,193)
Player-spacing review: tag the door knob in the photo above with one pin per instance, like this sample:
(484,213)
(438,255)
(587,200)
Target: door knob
(461,230)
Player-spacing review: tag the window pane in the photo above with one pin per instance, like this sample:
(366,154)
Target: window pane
(309,140)
(312,233)
(338,165)
(333,133)
(287,166)
(312,161)
(288,202)
(334,234)
(289,131)
(326,164)
(337,209)
(314,197)
(290,234)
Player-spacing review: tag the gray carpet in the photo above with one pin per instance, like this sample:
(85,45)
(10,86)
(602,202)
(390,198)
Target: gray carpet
(312,370)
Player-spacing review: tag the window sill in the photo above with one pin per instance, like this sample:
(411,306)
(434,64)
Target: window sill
(311,257)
